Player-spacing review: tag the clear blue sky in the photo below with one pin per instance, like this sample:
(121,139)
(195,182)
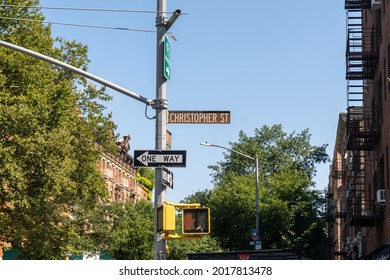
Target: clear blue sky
(267,62)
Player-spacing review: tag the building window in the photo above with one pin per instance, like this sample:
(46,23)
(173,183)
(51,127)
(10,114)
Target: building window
(378,28)
(386,81)
(377,113)
(379,177)
(387,167)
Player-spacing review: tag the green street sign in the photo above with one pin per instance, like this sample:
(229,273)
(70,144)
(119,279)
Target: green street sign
(167,58)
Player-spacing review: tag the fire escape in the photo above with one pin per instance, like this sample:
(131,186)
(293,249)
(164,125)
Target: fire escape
(361,61)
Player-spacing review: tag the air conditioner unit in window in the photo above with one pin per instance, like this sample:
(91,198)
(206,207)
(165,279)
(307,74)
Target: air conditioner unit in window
(380,195)
(376,4)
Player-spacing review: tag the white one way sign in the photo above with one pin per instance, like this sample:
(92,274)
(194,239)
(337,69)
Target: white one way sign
(156,158)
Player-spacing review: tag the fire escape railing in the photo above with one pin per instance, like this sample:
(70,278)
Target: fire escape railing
(357,4)
(361,53)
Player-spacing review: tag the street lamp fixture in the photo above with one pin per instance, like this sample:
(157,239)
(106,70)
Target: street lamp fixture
(255,233)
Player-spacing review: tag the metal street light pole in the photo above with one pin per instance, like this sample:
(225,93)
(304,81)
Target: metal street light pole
(256,159)
(161,107)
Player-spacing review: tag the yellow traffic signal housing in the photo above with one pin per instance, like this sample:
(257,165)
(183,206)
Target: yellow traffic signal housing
(196,220)
(166,218)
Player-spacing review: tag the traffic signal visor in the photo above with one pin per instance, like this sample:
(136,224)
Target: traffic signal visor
(166,218)
(196,220)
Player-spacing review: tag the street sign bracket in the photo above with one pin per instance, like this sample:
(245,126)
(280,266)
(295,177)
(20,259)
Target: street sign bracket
(160,104)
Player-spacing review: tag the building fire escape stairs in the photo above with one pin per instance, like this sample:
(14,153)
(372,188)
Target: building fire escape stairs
(361,61)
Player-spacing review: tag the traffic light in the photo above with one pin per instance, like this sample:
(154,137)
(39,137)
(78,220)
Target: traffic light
(196,220)
(166,218)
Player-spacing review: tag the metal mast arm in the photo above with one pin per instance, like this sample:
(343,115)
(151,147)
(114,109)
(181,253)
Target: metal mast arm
(90,76)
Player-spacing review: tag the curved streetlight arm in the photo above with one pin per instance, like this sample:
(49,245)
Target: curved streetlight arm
(222,147)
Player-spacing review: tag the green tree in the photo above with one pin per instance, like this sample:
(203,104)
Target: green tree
(232,210)
(52,134)
(132,231)
(201,197)
(124,231)
(291,215)
(145,177)
(179,248)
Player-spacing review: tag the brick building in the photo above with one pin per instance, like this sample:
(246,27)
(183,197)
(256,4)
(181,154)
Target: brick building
(359,180)
(335,190)
(120,175)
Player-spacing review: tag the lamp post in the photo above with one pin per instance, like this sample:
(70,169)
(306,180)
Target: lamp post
(256,159)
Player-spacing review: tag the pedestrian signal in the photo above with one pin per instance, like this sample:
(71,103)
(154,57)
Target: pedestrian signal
(166,218)
(196,220)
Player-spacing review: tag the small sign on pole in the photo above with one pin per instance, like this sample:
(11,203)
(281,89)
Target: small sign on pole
(167,58)
(167,179)
(255,234)
(255,237)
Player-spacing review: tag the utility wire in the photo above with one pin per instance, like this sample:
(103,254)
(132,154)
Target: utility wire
(88,9)
(83,25)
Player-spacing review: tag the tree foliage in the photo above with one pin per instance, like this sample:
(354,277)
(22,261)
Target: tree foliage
(178,249)
(290,209)
(145,176)
(132,231)
(201,197)
(123,231)
(52,134)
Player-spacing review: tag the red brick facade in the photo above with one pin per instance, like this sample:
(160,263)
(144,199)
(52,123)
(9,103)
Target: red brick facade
(121,182)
